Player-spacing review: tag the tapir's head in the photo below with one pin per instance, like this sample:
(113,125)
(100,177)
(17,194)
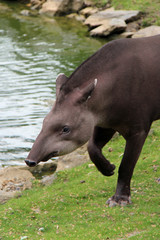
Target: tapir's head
(68,125)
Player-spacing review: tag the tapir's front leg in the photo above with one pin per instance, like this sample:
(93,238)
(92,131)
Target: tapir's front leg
(100,137)
(133,149)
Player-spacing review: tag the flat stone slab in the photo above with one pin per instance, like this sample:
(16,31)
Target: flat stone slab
(96,19)
(147,32)
(89,11)
(109,26)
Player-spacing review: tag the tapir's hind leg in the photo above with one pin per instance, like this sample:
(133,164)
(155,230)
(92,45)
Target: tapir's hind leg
(133,148)
(100,137)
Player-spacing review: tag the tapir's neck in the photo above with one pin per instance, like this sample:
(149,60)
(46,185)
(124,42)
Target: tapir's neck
(89,70)
(92,115)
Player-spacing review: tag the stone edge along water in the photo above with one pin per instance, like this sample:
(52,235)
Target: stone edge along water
(14,180)
(100,22)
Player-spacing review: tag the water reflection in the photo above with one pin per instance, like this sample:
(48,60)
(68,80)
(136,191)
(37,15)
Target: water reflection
(33,50)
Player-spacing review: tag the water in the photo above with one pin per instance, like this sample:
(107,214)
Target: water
(33,51)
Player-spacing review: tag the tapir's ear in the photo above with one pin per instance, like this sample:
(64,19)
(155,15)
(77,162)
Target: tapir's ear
(87,92)
(61,79)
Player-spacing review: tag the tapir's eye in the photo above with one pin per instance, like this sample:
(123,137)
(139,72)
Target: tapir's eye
(66,129)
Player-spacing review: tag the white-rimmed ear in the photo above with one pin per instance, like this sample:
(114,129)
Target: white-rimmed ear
(61,79)
(87,92)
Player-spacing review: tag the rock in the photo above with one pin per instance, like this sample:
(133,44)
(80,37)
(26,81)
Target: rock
(73,159)
(147,32)
(126,35)
(110,21)
(5,196)
(76,16)
(29,13)
(158,180)
(60,7)
(24,237)
(37,4)
(13,177)
(127,16)
(82,181)
(76,5)
(88,3)
(42,168)
(4,7)
(54,7)
(12,181)
(41,229)
(98,18)
(133,27)
(91,165)
(25,12)
(89,11)
(48,180)
(109,26)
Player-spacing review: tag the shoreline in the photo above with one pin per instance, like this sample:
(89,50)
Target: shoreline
(104,21)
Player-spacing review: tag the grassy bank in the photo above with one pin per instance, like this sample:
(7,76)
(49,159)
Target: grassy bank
(73,207)
(150,8)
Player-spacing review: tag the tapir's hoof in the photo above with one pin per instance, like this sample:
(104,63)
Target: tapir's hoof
(119,201)
(30,163)
(112,169)
(109,171)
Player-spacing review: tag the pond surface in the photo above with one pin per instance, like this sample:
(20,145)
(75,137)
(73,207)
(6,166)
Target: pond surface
(33,51)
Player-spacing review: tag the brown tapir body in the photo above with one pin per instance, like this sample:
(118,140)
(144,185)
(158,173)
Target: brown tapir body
(115,90)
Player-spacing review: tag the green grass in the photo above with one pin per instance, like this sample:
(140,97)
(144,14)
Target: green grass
(99,3)
(150,8)
(70,209)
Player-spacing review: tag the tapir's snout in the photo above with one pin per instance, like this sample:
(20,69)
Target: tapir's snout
(30,163)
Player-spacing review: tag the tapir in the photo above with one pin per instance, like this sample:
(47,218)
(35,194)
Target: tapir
(117,89)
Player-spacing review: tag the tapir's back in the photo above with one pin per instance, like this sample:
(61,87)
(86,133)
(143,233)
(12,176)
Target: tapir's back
(118,54)
(135,75)
(138,75)
(128,74)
